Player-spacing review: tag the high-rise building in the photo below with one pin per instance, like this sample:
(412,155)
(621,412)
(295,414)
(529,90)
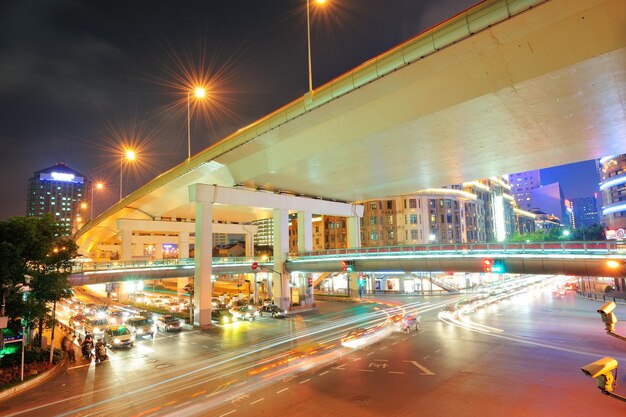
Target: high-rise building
(61,192)
(613,188)
(549,199)
(585,212)
(522,183)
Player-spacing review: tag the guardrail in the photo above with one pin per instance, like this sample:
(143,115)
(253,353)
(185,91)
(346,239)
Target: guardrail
(570,247)
(162,263)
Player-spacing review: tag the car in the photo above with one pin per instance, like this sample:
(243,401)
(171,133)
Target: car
(118,316)
(95,326)
(77,307)
(77,321)
(140,326)
(168,323)
(176,306)
(147,315)
(222,315)
(360,336)
(273,310)
(118,336)
(246,312)
(217,303)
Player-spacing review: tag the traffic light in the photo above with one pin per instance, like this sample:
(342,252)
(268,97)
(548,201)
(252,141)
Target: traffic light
(487,264)
(361,281)
(602,371)
(498,266)
(310,282)
(347,266)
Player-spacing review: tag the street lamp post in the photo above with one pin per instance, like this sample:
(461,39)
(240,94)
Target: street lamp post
(130,155)
(199,93)
(98,186)
(308,37)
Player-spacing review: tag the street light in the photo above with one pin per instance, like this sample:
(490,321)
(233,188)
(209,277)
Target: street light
(97,186)
(308,32)
(198,93)
(130,155)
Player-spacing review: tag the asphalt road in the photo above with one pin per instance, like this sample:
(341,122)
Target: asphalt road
(520,356)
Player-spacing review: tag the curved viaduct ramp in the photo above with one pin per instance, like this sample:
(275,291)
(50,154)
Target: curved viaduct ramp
(507,86)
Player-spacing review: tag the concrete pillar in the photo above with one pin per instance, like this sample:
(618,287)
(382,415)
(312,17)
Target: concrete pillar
(354,231)
(203,258)
(249,244)
(305,231)
(127,245)
(158,250)
(280,286)
(137,249)
(183,245)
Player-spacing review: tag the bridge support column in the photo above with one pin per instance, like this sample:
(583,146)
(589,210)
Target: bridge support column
(158,250)
(249,244)
(203,258)
(280,287)
(354,231)
(353,285)
(305,231)
(127,245)
(183,245)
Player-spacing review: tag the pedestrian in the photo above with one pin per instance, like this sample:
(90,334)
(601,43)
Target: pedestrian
(64,343)
(71,354)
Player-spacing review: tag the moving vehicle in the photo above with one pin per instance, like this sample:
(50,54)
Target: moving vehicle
(246,312)
(118,336)
(140,326)
(273,310)
(168,323)
(95,326)
(118,316)
(222,315)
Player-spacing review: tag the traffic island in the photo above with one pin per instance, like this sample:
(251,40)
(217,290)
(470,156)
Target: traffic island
(37,370)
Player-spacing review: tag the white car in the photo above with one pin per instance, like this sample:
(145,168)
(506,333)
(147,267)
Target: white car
(118,336)
(141,326)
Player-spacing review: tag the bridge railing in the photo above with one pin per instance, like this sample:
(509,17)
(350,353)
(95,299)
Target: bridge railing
(161,263)
(565,247)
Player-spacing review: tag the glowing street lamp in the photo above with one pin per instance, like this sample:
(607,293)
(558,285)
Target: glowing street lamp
(308,32)
(199,93)
(97,186)
(130,155)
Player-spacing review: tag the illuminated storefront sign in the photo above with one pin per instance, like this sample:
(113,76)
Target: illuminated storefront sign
(618,234)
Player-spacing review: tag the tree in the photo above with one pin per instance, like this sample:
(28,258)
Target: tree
(33,246)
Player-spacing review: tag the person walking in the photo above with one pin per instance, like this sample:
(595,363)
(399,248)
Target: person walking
(71,354)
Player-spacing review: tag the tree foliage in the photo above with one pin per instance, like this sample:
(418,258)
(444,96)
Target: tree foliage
(31,249)
(592,233)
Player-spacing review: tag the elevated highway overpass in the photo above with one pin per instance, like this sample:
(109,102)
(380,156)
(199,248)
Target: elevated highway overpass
(548,258)
(507,86)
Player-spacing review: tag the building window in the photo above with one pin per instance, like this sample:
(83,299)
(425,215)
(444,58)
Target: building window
(412,203)
(372,220)
(413,218)
(389,204)
(374,236)
(414,234)
(373,205)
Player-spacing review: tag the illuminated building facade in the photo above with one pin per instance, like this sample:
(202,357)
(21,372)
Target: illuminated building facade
(61,192)
(522,183)
(613,188)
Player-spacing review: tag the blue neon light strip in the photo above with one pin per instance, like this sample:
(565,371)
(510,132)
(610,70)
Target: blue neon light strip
(613,182)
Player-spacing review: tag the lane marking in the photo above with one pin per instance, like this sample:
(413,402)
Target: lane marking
(225,414)
(381,360)
(79,366)
(356,359)
(383,348)
(394,343)
(282,390)
(205,346)
(257,401)
(394,372)
(425,371)
(170,403)
(366,370)
(371,353)
(340,367)
(426,357)
(438,350)
(198,393)
(324,373)
(241,383)
(306,380)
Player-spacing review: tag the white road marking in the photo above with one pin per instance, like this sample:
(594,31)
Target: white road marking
(324,373)
(366,370)
(438,350)
(371,353)
(426,357)
(306,380)
(425,371)
(282,390)
(383,348)
(257,401)
(381,360)
(356,359)
(394,372)
(225,414)
(340,367)
(183,404)
(394,343)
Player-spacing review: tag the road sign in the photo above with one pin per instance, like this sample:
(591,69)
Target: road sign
(255,265)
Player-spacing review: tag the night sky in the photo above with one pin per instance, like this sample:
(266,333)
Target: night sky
(79,79)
